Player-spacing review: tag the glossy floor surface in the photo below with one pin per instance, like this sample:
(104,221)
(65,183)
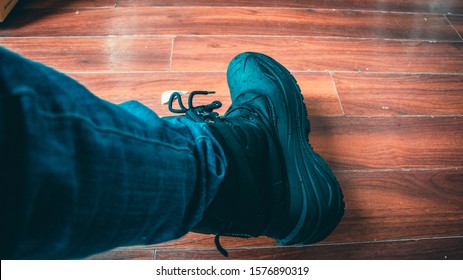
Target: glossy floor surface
(382,80)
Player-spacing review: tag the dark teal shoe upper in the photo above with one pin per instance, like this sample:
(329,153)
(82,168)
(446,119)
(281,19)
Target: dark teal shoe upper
(275,185)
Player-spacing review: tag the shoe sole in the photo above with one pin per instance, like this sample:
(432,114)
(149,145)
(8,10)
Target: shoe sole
(316,202)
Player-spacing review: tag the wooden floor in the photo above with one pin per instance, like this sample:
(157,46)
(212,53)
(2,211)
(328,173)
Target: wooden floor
(383,83)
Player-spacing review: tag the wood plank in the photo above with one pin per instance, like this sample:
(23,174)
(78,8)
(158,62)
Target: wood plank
(357,143)
(316,54)
(389,205)
(318,89)
(392,94)
(430,6)
(400,204)
(40,4)
(448,248)
(102,54)
(219,21)
(124,254)
(457,23)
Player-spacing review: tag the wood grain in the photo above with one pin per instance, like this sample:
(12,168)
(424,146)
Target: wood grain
(318,89)
(316,54)
(142,53)
(124,254)
(358,143)
(430,6)
(105,54)
(400,204)
(448,248)
(392,94)
(220,21)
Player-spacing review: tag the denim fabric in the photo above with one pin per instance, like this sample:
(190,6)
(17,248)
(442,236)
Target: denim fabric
(80,175)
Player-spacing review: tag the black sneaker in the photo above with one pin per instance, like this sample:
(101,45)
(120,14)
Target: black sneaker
(275,184)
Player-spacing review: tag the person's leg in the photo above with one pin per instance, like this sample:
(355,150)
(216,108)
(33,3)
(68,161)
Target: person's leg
(80,175)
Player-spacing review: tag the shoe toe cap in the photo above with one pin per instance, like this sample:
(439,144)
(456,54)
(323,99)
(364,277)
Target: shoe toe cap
(246,74)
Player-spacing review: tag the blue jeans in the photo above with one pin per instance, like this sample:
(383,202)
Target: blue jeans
(80,175)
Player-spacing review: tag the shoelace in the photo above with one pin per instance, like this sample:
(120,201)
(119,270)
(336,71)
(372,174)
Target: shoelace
(197,113)
(219,247)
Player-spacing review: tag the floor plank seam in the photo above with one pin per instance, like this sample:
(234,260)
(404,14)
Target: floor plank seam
(451,24)
(312,37)
(386,241)
(171,54)
(334,72)
(108,36)
(403,116)
(139,249)
(337,94)
(110,7)
(168,35)
(292,71)
(144,72)
(314,245)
